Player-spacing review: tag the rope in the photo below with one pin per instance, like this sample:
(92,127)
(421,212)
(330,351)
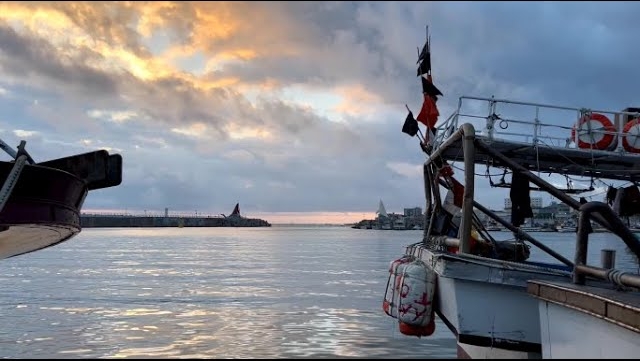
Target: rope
(12,179)
(615,276)
(538,156)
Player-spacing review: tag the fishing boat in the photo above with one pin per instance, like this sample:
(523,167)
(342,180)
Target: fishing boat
(40,202)
(495,301)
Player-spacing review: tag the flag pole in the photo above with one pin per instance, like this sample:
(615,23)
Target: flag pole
(420,135)
(427,90)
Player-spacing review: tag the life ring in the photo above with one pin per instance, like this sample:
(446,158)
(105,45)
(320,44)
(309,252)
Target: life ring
(604,136)
(631,136)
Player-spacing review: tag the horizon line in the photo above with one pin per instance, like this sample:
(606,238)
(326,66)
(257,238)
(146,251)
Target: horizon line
(275,218)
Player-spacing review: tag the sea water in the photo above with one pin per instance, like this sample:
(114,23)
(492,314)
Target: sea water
(279,292)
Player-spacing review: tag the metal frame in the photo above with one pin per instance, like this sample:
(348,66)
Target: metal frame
(465,136)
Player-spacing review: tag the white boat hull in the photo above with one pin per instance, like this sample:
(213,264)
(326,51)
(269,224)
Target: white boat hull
(587,321)
(485,304)
(489,320)
(573,334)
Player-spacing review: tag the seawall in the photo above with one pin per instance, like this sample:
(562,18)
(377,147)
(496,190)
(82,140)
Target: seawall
(102,221)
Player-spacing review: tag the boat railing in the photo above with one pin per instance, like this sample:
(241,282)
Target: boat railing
(21,157)
(581,269)
(538,124)
(466,134)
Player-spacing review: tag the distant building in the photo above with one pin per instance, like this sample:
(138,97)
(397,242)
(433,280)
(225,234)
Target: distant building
(413,218)
(536,203)
(560,208)
(413,212)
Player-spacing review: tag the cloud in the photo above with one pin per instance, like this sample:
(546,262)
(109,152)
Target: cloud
(24,133)
(113,116)
(288,107)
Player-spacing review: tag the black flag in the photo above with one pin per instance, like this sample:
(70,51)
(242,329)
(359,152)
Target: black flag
(429,88)
(424,54)
(424,67)
(424,58)
(410,125)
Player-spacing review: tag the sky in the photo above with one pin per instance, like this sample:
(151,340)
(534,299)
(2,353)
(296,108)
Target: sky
(294,110)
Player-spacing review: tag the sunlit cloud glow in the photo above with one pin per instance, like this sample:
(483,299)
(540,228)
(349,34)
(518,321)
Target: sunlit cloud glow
(286,106)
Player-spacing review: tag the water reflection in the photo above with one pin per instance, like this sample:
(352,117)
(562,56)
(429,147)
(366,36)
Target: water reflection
(220,293)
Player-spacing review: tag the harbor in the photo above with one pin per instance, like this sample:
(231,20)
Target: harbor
(419,180)
(411,218)
(554,217)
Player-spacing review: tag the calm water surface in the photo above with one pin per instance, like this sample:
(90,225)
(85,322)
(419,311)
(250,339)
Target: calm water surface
(280,292)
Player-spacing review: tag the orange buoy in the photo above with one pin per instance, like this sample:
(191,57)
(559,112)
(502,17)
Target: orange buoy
(419,331)
(631,136)
(595,131)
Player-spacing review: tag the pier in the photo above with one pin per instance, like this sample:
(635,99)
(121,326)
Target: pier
(166,220)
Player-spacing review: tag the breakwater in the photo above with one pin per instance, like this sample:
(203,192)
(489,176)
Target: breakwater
(105,221)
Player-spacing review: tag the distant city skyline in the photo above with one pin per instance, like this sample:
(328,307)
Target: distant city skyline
(271,217)
(326,217)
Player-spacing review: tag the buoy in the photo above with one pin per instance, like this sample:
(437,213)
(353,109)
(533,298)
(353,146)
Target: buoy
(596,138)
(392,294)
(415,306)
(410,330)
(631,136)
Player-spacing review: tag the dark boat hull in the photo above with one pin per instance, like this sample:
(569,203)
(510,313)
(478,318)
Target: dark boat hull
(43,209)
